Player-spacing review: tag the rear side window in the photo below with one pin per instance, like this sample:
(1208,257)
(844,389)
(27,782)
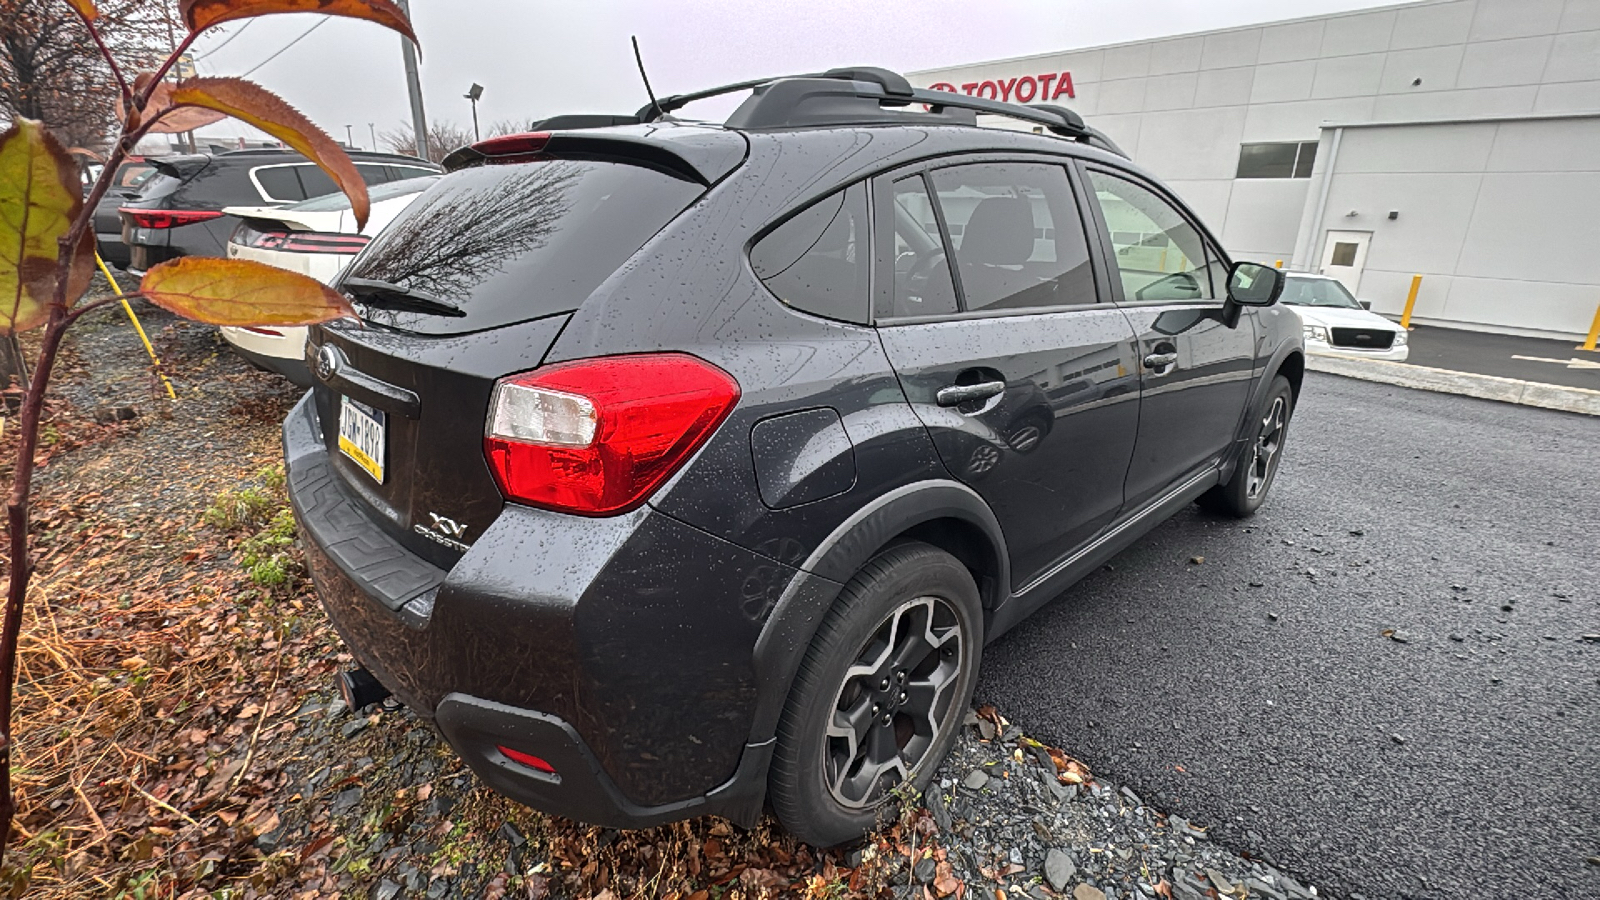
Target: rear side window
(1018,238)
(818,261)
(279,183)
(509,243)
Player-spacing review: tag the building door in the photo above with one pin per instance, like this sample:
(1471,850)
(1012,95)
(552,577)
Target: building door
(1345,256)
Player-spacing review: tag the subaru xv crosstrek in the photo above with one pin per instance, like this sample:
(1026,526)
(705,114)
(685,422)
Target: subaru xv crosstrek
(679,469)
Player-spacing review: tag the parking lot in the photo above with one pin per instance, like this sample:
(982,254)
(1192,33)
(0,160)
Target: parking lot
(1385,682)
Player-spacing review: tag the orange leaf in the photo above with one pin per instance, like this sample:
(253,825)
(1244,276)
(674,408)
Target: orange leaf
(257,106)
(241,293)
(202,14)
(86,9)
(173,121)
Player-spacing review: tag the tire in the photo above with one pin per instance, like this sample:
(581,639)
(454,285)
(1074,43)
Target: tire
(1257,466)
(828,788)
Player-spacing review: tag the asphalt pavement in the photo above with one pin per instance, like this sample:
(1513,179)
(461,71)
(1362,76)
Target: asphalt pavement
(1382,682)
(1506,356)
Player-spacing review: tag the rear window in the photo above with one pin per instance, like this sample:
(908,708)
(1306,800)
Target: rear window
(507,244)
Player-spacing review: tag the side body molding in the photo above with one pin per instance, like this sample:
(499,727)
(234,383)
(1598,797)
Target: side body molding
(809,596)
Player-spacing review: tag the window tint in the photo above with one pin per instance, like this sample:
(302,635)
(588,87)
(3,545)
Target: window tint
(1018,238)
(1159,255)
(511,243)
(1277,160)
(314,181)
(818,260)
(280,183)
(922,283)
(400,173)
(372,174)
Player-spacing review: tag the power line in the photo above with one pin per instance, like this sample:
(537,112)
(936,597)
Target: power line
(297,40)
(226,42)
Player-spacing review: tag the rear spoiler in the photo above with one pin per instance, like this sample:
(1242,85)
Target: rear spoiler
(180,167)
(702,155)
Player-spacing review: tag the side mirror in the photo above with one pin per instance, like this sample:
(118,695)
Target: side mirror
(1365,304)
(1252,284)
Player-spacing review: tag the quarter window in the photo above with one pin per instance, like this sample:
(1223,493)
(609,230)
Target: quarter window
(1158,254)
(818,261)
(1018,239)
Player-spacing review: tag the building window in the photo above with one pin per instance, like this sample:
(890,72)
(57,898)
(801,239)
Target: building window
(1277,160)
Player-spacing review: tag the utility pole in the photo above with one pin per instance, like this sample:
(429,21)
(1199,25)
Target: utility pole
(419,116)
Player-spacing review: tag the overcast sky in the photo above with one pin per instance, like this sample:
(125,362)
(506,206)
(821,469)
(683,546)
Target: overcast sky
(537,58)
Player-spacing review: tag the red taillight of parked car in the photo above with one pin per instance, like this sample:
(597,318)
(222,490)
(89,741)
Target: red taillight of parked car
(596,437)
(168,218)
(302,241)
(527,144)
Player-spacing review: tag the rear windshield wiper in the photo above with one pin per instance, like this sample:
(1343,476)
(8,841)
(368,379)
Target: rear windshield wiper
(383,295)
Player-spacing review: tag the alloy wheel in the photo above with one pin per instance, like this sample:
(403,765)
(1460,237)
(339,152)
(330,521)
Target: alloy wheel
(1268,443)
(894,702)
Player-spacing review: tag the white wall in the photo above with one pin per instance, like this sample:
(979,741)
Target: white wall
(1181,106)
(1498,217)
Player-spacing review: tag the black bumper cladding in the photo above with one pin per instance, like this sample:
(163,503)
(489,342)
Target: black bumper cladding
(423,637)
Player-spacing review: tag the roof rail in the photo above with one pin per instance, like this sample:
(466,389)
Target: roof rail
(867,95)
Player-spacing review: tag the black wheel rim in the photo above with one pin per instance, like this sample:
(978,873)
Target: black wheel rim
(894,702)
(1268,443)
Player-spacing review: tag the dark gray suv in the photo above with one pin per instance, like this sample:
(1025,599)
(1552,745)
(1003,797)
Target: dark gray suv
(678,469)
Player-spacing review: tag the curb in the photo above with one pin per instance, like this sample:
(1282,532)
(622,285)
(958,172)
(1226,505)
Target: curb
(1467,384)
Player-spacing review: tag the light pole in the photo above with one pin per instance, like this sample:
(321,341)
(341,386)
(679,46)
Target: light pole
(372,130)
(474,94)
(419,117)
(349,139)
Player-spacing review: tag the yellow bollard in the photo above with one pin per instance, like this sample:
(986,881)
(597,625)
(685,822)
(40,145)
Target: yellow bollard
(1280,263)
(1411,301)
(1594,333)
(128,308)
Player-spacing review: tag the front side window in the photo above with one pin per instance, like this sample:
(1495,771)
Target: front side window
(1018,238)
(922,282)
(818,260)
(1157,253)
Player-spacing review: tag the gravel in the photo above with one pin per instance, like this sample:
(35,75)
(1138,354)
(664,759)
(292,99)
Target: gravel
(1014,827)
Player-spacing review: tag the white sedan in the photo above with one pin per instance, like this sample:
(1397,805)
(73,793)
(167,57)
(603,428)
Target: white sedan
(1336,324)
(317,237)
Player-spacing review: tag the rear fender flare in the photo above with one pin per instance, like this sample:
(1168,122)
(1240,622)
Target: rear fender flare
(795,618)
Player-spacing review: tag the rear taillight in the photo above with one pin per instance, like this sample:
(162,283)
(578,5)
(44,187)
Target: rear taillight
(598,436)
(168,218)
(301,241)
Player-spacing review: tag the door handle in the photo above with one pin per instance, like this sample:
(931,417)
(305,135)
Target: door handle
(957,394)
(1160,360)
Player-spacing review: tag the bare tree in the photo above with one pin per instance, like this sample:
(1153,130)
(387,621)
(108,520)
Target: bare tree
(51,71)
(444,137)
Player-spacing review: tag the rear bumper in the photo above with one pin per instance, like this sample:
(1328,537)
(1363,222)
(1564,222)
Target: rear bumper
(284,353)
(589,643)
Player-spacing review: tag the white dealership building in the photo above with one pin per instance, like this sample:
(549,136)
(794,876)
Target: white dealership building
(1457,140)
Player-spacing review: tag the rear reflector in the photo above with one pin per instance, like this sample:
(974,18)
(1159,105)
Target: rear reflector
(168,218)
(527,759)
(597,437)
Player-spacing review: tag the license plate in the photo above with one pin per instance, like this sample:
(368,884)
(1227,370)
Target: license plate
(363,435)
